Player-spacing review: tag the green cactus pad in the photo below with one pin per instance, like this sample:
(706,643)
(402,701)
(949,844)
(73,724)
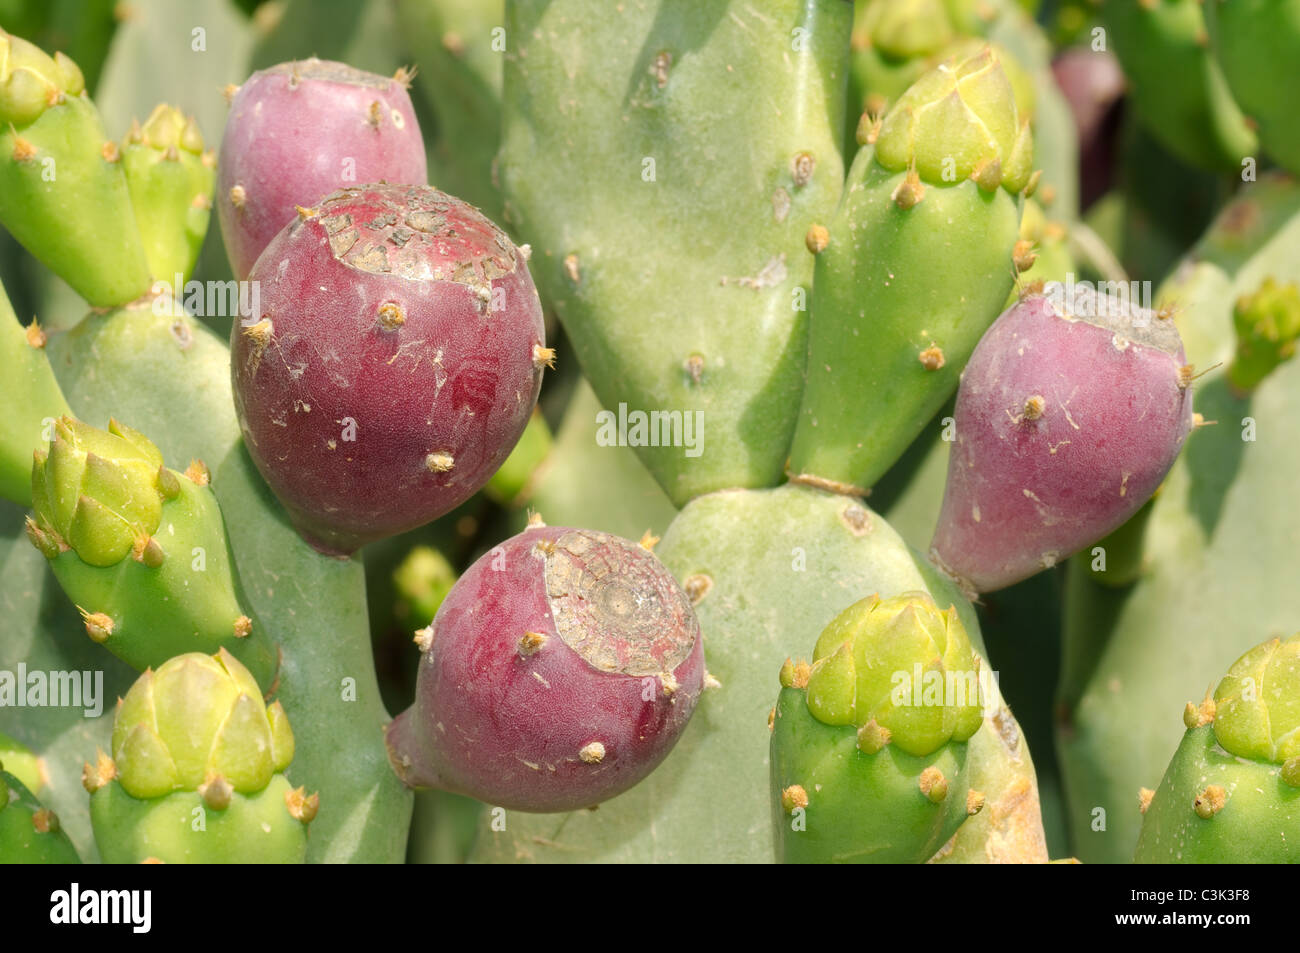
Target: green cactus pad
(140,549)
(765,566)
(30,833)
(668,219)
(1195,117)
(63,194)
(32,401)
(170,179)
(927,209)
(514,481)
(1267,323)
(1232,791)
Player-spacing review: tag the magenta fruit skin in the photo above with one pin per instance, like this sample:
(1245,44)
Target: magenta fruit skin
(298,131)
(1030,484)
(395,364)
(510,727)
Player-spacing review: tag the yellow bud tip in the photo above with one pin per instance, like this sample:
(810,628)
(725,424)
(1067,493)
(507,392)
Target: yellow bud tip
(216,792)
(1210,801)
(94,777)
(817,239)
(243,627)
(440,462)
(304,213)
(933,784)
(99,626)
(795,674)
(593,752)
(404,75)
(423,638)
(931,358)
(35,335)
(710,682)
(793,798)
(1023,255)
(198,473)
(543,356)
(873,737)
(229,91)
(974,802)
(1034,407)
(648,541)
(302,807)
(909,192)
(23,150)
(535,519)
(238,196)
(1144,799)
(391,316)
(531,643)
(45,821)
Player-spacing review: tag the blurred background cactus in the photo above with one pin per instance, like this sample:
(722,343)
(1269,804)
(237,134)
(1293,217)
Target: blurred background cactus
(788,224)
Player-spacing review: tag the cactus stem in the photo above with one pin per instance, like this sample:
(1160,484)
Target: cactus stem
(531,643)
(423,638)
(793,798)
(391,316)
(35,335)
(198,473)
(1210,801)
(873,737)
(697,587)
(302,807)
(817,239)
(543,356)
(593,752)
(974,802)
(648,541)
(98,625)
(440,461)
(216,792)
(932,358)
(933,785)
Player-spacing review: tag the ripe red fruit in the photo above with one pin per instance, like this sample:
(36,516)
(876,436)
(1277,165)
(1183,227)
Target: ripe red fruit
(560,670)
(397,358)
(297,132)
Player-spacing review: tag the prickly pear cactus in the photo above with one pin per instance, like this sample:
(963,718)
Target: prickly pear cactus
(668,220)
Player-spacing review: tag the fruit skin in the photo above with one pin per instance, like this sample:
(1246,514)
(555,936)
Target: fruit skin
(1069,415)
(297,132)
(1196,117)
(560,670)
(170,178)
(140,549)
(1218,550)
(398,356)
(29,832)
(887,341)
(197,773)
(32,400)
(1257,45)
(1242,742)
(62,191)
(763,566)
(681,283)
(884,776)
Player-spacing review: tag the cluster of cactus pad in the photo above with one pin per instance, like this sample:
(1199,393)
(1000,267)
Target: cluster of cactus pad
(849,399)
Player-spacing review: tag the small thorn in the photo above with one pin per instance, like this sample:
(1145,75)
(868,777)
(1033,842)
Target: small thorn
(45,821)
(375,114)
(909,192)
(535,519)
(873,737)
(531,643)
(571,268)
(1144,799)
(697,587)
(302,807)
(216,792)
(391,316)
(305,213)
(710,682)
(423,638)
(94,777)
(1032,185)
(201,201)
(1199,421)
(1034,407)
(198,473)
(794,674)
(1210,801)
(545,546)
(23,150)
(47,543)
(243,627)
(669,683)
(145,550)
(404,75)
(868,128)
(793,798)
(771,719)
(167,483)
(694,367)
(817,239)
(36,337)
(525,251)
(229,91)
(109,151)
(440,462)
(1023,255)
(933,785)
(543,356)
(974,802)
(593,752)
(99,626)
(648,541)
(932,358)
(238,196)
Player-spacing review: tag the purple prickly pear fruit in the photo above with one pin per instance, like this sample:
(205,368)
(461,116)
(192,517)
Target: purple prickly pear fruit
(396,360)
(560,670)
(1068,416)
(297,132)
